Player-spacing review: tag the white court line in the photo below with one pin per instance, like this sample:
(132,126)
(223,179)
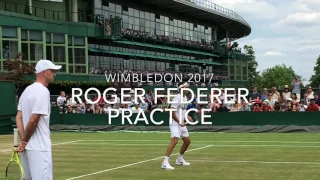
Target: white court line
(132,164)
(214,145)
(68,142)
(145,140)
(259,162)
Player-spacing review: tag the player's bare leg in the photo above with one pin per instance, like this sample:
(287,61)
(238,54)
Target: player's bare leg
(165,164)
(184,147)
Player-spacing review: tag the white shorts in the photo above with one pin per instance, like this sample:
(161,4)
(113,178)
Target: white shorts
(37,165)
(178,131)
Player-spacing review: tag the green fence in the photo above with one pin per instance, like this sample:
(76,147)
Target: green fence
(217,119)
(7,106)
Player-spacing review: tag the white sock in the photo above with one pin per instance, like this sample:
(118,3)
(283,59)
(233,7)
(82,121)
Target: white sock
(180,156)
(166,159)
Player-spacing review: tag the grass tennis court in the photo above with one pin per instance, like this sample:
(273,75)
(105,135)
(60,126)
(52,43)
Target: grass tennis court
(218,156)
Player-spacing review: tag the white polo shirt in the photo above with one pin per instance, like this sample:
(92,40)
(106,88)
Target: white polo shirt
(35,99)
(177,104)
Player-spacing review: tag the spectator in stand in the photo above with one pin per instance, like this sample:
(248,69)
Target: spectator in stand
(296,87)
(254,95)
(266,107)
(222,108)
(150,99)
(79,110)
(301,107)
(270,100)
(106,109)
(89,109)
(97,109)
(144,106)
(294,98)
(193,103)
(137,108)
(286,94)
(234,107)
(256,106)
(305,99)
(277,107)
(290,105)
(165,104)
(69,110)
(61,99)
(313,107)
(244,106)
(317,99)
(264,95)
(275,95)
(222,94)
(310,93)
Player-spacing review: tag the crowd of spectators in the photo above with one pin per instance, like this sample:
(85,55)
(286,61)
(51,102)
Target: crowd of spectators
(268,100)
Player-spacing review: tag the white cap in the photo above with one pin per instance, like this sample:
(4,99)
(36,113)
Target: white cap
(43,65)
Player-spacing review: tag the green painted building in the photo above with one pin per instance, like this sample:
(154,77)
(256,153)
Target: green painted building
(156,35)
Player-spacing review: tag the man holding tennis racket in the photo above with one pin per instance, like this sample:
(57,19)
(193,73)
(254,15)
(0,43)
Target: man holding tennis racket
(33,120)
(178,128)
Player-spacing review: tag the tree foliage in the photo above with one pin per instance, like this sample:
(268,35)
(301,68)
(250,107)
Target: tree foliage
(277,76)
(15,70)
(252,66)
(315,79)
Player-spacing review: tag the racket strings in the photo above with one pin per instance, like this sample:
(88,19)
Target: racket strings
(13,171)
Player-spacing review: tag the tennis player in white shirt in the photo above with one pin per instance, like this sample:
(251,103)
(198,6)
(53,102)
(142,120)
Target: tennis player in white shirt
(33,120)
(178,130)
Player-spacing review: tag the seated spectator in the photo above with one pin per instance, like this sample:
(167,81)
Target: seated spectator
(69,110)
(264,95)
(80,110)
(277,107)
(310,93)
(290,104)
(313,107)
(106,109)
(301,107)
(270,100)
(137,108)
(317,99)
(256,107)
(165,104)
(222,108)
(97,109)
(305,99)
(244,106)
(144,106)
(126,109)
(294,98)
(266,107)
(89,109)
(286,94)
(234,107)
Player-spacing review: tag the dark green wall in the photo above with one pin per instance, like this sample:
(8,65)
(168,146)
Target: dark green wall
(217,119)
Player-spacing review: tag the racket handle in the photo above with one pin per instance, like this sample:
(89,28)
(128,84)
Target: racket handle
(15,137)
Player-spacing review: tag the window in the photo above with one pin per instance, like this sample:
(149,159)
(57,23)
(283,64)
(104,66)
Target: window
(70,55)
(80,69)
(79,56)
(59,54)
(10,49)
(25,52)
(58,38)
(118,9)
(112,7)
(78,41)
(48,38)
(35,35)
(24,35)
(36,52)
(9,32)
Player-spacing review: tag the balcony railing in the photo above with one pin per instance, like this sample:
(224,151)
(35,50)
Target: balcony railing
(214,7)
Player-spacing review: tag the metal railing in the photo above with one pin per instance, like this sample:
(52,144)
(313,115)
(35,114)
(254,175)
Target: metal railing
(214,7)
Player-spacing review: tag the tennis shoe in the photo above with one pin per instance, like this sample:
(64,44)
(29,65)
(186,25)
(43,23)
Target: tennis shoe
(182,162)
(166,166)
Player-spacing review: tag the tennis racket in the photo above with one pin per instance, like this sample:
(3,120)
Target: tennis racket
(14,170)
